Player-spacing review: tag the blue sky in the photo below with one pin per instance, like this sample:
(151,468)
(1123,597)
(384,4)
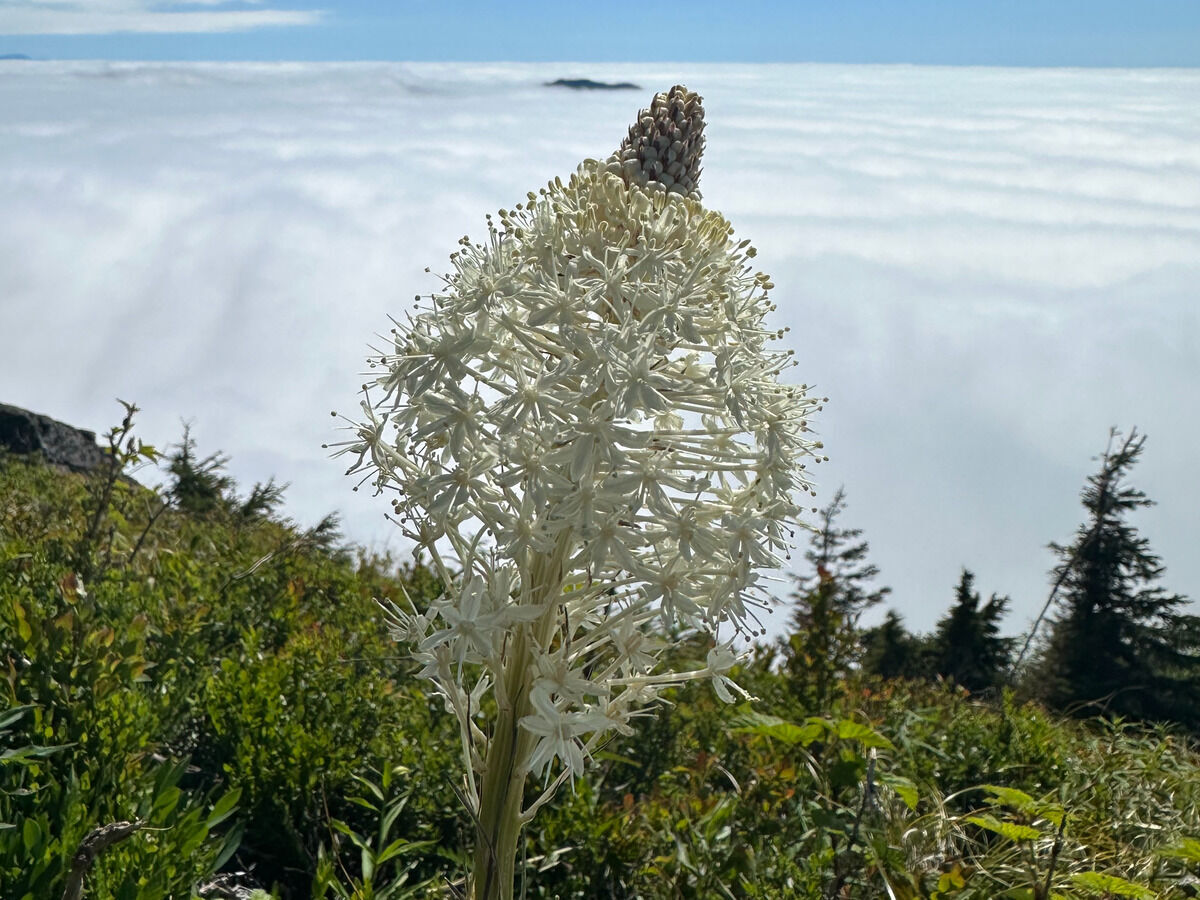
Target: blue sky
(954,32)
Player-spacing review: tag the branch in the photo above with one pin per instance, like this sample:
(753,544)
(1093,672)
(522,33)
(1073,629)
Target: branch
(97,841)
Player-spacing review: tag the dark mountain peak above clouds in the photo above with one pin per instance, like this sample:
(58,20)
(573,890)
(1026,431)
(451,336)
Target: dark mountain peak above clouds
(586,84)
(27,433)
(12,56)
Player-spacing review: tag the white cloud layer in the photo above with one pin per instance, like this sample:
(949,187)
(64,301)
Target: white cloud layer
(983,269)
(140,17)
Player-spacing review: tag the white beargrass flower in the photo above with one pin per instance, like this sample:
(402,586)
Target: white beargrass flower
(588,433)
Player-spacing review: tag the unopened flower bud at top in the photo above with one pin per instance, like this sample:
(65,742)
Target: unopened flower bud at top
(666,142)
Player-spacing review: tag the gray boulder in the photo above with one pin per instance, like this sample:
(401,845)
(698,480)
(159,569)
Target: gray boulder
(25,433)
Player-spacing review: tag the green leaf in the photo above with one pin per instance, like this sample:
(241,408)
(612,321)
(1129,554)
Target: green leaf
(33,751)
(609,756)
(370,786)
(764,725)
(905,789)
(1099,883)
(233,840)
(165,803)
(952,880)
(849,730)
(367,857)
(224,808)
(11,714)
(1187,849)
(1010,830)
(399,847)
(389,819)
(23,628)
(1023,802)
(355,837)
(1006,796)
(31,835)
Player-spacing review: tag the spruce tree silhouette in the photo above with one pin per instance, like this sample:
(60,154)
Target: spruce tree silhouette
(966,645)
(823,643)
(1119,643)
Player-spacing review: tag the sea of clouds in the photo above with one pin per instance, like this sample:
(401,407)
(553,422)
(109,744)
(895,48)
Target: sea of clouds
(983,269)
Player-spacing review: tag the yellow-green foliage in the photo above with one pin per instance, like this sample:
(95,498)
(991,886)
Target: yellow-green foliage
(224,676)
(969,800)
(231,658)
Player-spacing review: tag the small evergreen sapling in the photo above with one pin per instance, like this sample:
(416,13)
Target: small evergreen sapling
(824,643)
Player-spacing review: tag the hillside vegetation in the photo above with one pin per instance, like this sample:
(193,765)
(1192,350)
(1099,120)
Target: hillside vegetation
(190,663)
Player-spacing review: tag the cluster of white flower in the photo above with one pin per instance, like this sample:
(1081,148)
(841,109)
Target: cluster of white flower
(587,434)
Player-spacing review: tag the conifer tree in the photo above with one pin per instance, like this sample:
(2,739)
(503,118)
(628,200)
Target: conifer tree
(199,486)
(1120,643)
(827,605)
(891,651)
(203,486)
(966,645)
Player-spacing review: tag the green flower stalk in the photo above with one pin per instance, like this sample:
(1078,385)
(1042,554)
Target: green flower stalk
(587,433)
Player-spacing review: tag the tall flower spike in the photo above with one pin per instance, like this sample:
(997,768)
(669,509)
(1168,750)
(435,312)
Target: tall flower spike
(665,144)
(588,433)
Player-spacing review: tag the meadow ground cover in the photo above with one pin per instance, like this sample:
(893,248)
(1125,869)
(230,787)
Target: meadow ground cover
(224,678)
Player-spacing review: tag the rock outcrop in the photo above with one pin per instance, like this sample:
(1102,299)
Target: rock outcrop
(25,433)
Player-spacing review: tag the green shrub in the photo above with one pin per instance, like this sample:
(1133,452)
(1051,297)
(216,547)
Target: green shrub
(224,677)
(211,654)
